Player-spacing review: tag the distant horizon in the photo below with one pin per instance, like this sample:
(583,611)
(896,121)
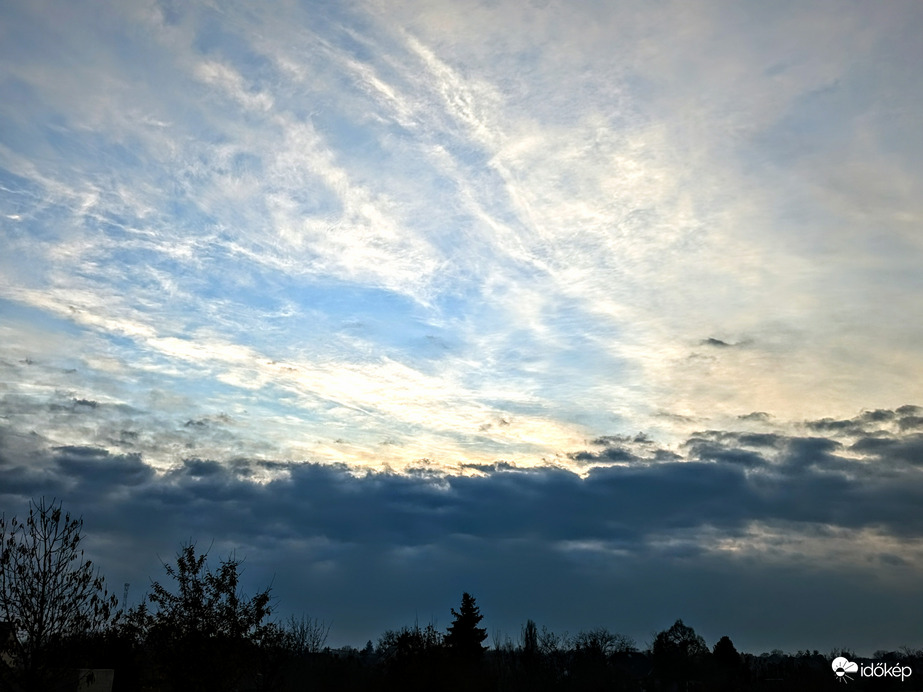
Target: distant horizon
(326,535)
(606,312)
(440,620)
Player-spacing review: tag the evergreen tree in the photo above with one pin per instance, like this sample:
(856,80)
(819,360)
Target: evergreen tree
(464,636)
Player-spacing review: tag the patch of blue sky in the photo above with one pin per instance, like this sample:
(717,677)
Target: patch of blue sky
(245,164)
(824,116)
(27,239)
(18,195)
(242,311)
(131,50)
(12,311)
(568,353)
(186,216)
(834,116)
(339,23)
(152,366)
(278,315)
(525,407)
(274,398)
(20,109)
(121,344)
(352,137)
(462,299)
(403,338)
(350,300)
(391,324)
(95,151)
(215,36)
(25,39)
(428,198)
(569,371)
(312,198)
(487,444)
(137,266)
(270,401)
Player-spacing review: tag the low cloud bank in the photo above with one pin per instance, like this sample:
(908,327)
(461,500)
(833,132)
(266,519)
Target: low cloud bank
(805,538)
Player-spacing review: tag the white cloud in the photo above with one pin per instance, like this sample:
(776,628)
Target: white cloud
(577,196)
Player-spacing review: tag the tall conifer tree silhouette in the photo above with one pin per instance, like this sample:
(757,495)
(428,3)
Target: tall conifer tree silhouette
(464,636)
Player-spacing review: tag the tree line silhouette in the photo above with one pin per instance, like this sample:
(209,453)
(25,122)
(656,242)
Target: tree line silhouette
(196,631)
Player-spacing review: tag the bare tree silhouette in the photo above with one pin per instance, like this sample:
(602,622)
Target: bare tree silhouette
(49,592)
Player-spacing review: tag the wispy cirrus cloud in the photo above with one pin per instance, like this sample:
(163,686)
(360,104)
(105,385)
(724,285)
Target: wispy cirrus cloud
(599,224)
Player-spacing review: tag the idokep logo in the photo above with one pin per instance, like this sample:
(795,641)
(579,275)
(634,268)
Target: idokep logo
(842,667)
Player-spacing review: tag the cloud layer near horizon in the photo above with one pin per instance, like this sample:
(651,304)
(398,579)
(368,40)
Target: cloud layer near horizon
(738,533)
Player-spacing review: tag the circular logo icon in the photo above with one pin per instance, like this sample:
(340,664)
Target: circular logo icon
(841,666)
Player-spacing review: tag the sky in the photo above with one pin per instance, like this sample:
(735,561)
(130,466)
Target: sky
(605,312)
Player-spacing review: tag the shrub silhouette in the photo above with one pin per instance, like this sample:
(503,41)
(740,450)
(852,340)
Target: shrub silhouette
(203,632)
(679,653)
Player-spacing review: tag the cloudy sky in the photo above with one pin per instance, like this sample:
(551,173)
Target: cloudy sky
(605,312)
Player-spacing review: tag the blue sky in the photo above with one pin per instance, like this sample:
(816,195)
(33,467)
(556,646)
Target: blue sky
(465,247)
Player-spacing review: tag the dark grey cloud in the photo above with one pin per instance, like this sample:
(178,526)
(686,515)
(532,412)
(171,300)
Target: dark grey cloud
(676,417)
(610,454)
(830,425)
(875,422)
(635,541)
(910,422)
(708,450)
(619,449)
(726,479)
(877,416)
(488,468)
(220,419)
(99,468)
(734,438)
(759,416)
(640,438)
(894,452)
